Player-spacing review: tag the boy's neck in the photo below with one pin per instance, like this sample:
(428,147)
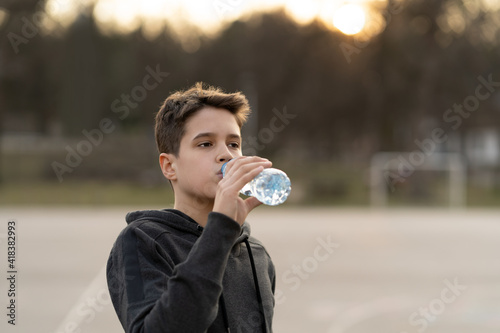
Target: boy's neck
(195,209)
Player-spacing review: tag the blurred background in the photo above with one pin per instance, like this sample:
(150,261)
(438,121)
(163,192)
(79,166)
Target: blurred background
(366,104)
(332,84)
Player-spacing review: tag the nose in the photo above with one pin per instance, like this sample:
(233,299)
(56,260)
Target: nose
(224,155)
(225,158)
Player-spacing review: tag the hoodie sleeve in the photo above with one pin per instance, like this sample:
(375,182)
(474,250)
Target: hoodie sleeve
(151,294)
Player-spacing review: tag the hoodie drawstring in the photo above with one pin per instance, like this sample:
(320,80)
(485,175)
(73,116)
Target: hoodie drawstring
(257,289)
(224,313)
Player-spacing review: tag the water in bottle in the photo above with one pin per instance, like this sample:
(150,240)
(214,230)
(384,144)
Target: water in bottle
(271,186)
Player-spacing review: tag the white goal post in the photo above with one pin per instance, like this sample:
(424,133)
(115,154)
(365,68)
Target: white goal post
(389,168)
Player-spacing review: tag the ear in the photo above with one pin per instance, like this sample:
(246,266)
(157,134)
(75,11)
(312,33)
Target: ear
(167,165)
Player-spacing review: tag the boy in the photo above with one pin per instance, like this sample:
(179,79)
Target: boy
(195,268)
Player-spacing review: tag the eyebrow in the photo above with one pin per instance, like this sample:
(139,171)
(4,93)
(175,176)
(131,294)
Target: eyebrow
(212,134)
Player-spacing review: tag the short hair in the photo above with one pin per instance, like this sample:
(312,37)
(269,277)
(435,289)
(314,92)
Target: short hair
(171,119)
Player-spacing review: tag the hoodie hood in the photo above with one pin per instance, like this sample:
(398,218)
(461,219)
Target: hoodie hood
(177,220)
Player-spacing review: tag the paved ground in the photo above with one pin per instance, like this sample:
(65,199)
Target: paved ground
(339,270)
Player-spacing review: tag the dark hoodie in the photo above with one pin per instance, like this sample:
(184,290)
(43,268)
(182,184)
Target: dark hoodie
(166,273)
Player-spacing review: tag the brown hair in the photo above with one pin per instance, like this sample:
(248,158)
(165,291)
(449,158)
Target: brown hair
(179,106)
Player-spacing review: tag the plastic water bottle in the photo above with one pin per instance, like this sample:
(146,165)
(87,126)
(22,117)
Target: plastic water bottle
(271,186)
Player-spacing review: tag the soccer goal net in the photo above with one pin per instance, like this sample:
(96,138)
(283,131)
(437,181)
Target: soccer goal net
(390,169)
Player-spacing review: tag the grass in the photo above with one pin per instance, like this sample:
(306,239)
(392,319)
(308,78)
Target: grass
(322,184)
(330,193)
(84,193)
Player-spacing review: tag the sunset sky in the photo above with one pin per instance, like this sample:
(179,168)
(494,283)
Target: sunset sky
(209,15)
(362,18)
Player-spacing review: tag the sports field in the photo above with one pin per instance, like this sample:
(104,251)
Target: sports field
(339,270)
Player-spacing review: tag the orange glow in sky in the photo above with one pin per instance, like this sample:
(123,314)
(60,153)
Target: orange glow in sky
(124,16)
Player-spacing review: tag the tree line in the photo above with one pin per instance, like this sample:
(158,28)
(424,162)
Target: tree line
(316,93)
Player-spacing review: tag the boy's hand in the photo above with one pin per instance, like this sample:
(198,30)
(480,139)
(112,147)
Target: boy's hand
(239,172)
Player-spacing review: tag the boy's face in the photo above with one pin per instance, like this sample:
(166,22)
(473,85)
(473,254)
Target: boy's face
(212,137)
